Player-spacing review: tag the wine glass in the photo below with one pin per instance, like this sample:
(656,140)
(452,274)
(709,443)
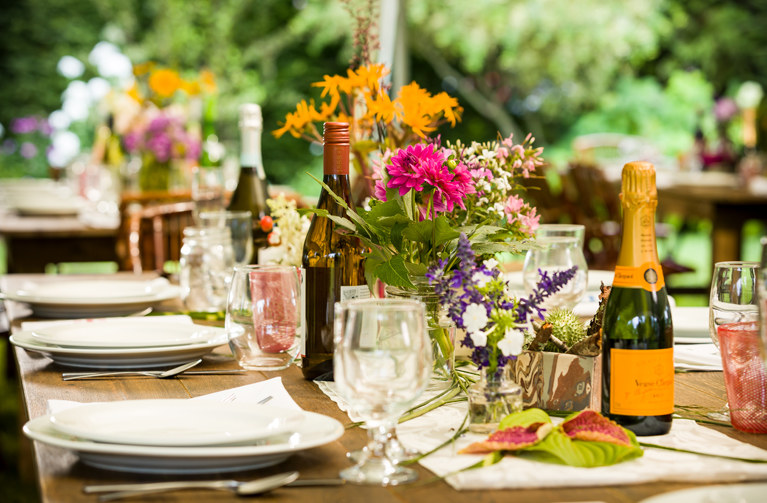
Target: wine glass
(561,248)
(263,316)
(382,363)
(733,299)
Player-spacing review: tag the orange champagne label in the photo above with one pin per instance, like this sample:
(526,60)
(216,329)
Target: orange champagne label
(648,276)
(642,382)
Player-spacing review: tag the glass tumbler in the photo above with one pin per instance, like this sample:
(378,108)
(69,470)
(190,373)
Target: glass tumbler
(264,316)
(240,225)
(561,247)
(206,266)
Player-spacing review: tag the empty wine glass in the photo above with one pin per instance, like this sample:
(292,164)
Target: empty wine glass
(561,247)
(733,299)
(382,363)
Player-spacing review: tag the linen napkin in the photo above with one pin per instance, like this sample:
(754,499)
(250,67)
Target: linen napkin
(250,393)
(432,429)
(701,357)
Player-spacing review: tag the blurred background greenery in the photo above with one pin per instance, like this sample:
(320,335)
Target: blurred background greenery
(555,68)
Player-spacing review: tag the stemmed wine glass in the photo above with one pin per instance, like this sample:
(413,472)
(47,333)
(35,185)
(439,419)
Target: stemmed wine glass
(733,300)
(382,363)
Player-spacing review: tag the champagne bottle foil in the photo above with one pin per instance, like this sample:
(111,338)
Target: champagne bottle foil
(638,183)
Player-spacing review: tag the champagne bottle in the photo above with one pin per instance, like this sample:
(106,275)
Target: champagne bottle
(251,192)
(637,333)
(332,260)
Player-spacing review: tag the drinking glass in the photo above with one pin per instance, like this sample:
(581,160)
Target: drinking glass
(732,301)
(240,224)
(208,188)
(561,247)
(382,363)
(762,296)
(263,316)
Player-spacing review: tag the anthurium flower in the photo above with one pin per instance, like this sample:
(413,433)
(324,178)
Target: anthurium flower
(590,425)
(513,438)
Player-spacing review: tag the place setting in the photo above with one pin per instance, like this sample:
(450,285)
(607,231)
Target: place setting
(121,343)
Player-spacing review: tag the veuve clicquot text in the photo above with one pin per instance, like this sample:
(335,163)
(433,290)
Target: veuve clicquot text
(333,260)
(637,332)
(252,189)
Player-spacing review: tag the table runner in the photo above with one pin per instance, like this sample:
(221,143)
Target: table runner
(430,430)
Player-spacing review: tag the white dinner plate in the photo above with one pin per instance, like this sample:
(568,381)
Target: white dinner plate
(127,333)
(174,422)
(690,325)
(92,298)
(733,493)
(313,430)
(120,358)
(46,205)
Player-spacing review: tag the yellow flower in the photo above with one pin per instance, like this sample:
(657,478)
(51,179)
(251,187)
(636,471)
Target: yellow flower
(165,82)
(208,81)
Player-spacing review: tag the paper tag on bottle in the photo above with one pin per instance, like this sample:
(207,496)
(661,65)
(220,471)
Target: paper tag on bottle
(641,382)
(354,292)
(648,276)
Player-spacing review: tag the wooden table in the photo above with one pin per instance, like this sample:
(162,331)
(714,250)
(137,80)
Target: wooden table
(61,477)
(32,242)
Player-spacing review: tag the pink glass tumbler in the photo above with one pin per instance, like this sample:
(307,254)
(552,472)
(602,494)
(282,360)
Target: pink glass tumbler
(744,376)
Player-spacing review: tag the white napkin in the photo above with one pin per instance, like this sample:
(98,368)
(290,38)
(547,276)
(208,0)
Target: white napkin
(430,430)
(250,393)
(704,357)
(174,318)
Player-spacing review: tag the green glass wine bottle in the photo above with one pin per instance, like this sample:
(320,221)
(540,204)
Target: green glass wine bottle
(637,333)
(333,260)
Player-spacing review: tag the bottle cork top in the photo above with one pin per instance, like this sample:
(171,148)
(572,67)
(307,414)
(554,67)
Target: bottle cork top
(638,182)
(336,133)
(250,116)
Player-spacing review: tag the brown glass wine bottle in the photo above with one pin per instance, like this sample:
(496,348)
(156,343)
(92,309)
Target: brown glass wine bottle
(252,189)
(637,333)
(333,260)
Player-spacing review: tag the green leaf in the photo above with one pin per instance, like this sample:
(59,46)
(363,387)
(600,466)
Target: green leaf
(524,418)
(444,231)
(490,248)
(416,269)
(393,272)
(364,226)
(559,448)
(419,232)
(342,221)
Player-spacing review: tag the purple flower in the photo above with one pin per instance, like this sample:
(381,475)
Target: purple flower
(28,150)
(24,125)
(8,147)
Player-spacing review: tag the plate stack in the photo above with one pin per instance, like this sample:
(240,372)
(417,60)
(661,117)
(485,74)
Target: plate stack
(182,435)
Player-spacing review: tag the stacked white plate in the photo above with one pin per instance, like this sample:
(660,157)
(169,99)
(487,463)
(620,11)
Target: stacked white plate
(92,298)
(117,343)
(182,436)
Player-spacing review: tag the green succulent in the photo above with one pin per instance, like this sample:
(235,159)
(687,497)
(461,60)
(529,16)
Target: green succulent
(566,326)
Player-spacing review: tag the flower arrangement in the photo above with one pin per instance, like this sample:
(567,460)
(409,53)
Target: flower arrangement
(480,302)
(377,122)
(24,151)
(289,232)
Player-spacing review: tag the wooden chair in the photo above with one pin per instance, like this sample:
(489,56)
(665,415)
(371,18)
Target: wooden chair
(155,234)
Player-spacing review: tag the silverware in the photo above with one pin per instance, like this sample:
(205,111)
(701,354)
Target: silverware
(257,486)
(161,374)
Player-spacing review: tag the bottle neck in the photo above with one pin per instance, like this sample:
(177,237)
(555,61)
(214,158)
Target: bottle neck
(638,245)
(250,153)
(336,159)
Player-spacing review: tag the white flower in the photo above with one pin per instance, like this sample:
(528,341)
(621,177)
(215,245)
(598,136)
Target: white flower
(490,264)
(479,338)
(512,341)
(481,278)
(474,318)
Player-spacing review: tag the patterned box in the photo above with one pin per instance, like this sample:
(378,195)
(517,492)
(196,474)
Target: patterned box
(556,381)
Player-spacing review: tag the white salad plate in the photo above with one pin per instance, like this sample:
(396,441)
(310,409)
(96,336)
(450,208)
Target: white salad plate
(313,430)
(45,205)
(127,333)
(92,298)
(733,493)
(121,358)
(174,422)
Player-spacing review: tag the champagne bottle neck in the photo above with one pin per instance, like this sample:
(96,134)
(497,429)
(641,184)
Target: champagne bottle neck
(638,244)
(250,150)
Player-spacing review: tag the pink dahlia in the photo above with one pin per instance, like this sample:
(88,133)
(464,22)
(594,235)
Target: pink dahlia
(406,168)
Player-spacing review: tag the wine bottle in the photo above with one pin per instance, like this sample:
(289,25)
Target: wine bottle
(332,260)
(637,333)
(252,192)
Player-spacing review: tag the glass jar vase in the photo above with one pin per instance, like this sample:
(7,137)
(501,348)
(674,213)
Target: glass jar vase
(441,327)
(206,264)
(494,396)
